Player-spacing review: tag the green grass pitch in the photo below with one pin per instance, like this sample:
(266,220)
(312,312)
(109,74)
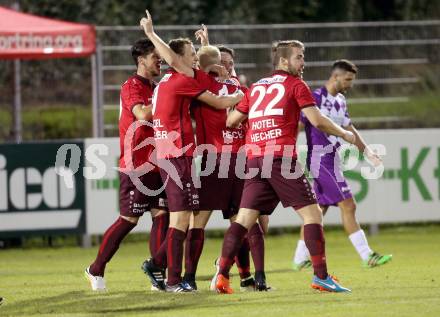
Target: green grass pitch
(50,282)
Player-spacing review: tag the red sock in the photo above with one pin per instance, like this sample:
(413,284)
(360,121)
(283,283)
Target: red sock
(242,259)
(193,250)
(231,244)
(110,244)
(160,258)
(315,242)
(256,244)
(158,232)
(175,255)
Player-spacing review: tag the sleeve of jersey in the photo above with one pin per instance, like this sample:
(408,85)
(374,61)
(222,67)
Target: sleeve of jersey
(243,106)
(131,95)
(190,87)
(303,95)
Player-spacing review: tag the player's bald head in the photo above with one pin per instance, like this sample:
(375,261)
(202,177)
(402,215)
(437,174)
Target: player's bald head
(208,55)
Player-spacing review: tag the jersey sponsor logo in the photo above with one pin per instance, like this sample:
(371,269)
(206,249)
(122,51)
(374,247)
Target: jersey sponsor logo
(271,80)
(228,81)
(264,124)
(238,134)
(267,135)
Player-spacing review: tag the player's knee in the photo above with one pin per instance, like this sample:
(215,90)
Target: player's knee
(180,220)
(350,208)
(247,217)
(311,214)
(131,219)
(200,219)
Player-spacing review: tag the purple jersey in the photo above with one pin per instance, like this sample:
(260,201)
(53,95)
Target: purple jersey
(334,108)
(329,183)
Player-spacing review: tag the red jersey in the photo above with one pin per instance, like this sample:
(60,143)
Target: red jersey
(211,123)
(273,106)
(173,130)
(136,90)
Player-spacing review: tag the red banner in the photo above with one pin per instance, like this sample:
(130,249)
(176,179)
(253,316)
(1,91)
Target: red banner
(26,36)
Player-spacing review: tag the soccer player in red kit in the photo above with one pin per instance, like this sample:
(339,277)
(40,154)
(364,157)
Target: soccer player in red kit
(220,188)
(175,145)
(272,105)
(135,106)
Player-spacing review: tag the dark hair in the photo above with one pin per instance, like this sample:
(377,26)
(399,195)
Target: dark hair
(345,65)
(141,47)
(226,49)
(283,49)
(178,45)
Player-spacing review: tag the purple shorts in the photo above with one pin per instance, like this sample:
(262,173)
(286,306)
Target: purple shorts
(132,202)
(221,193)
(330,185)
(179,187)
(264,193)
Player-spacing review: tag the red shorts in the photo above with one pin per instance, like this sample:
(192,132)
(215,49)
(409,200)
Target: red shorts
(264,194)
(132,202)
(221,191)
(185,198)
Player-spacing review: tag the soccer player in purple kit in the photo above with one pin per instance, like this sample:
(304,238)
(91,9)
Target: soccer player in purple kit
(272,106)
(329,184)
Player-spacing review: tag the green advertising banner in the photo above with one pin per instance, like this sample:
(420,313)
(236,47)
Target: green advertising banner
(34,198)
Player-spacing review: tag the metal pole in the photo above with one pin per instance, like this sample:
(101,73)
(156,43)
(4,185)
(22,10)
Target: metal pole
(86,239)
(95,102)
(17,102)
(100,91)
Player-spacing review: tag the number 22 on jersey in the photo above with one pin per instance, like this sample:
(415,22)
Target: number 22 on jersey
(276,91)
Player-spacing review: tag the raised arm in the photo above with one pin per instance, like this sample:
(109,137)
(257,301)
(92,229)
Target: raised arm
(163,49)
(326,125)
(202,35)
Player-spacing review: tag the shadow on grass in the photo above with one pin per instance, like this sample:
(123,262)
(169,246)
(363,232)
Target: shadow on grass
(120,304)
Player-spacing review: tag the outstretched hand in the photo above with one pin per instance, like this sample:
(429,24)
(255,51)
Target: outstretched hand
(147,23)
(373,157)
(202,35)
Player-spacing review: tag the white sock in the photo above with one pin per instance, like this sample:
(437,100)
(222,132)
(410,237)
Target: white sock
(360,243)
(301,253)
